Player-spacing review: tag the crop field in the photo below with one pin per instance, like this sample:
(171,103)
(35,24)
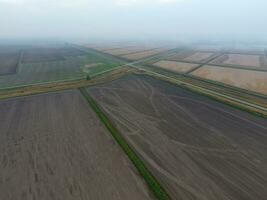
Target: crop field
(259,61)
(175,66)
(247,79)
(9,62)
(72,67)
(127,50)
(197,148)
(143,54)
(192,56)
(49,54)
(61,150)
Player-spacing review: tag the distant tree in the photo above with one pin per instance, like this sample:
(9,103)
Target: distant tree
(88,77)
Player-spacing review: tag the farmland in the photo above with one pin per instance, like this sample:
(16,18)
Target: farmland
(67,64)
(9,62)
(53,146)
(143,54)
(192,56)
(49,54)
(258,61)
(191,144)
(246,79)
(175,66)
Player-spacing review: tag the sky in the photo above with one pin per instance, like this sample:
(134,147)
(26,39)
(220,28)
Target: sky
(244,20)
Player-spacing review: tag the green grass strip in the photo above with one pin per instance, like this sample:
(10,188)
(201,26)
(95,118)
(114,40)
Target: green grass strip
(154,185)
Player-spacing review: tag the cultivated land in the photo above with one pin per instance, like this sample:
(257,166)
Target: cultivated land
(247,79)
(49,54)
(70,65)
(197,148)
(258,61)
(143,54)
(175,66)
(192,56)
(53,146)
(9,62)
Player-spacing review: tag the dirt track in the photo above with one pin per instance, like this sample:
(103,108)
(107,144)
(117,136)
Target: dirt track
(54,147)
(197,148)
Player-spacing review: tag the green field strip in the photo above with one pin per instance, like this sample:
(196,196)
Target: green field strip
(153,184)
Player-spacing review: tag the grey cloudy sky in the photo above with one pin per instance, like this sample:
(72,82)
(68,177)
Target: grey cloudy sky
(134,19)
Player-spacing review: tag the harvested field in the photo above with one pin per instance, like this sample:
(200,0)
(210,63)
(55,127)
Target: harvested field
(49,54)
(61,150)
(175,66)
(9,62)
(247,79)
(197,148)
(127,50)
(242,60)
(192,56)
(143,54)
(199,56)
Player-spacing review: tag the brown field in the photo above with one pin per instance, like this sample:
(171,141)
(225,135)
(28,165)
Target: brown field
(143,54)
(199,56)
(49,54)
(246,79)
(54,147)
(197,148)
(127,50)
(9,62)
(175,66)
(243,60)
(192,56)
(120,51)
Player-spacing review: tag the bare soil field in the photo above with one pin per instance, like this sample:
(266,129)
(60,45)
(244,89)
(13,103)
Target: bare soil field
(192,56)
(143,54)
(175,66)
(197,148)
(242,60)
(9,62)
(54,147)
(49,54)
(247,79)
(127,50)
(199,56)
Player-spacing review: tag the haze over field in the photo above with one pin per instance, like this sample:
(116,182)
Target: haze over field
(242,20)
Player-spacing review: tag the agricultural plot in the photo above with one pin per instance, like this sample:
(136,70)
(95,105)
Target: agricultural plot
(143,54)
(49,54)
(197,148)
(175,66)
(9,62)
(127,50)
(61,150)
(258,61)
(247,79)
(70,68)
(192,56)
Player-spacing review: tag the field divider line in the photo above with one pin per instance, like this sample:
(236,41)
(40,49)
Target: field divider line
(203,90)
(151,181)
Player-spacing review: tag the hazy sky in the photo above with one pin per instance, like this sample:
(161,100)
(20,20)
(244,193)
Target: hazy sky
(135,19)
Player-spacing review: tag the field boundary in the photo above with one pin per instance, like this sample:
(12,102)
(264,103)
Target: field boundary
(153,184)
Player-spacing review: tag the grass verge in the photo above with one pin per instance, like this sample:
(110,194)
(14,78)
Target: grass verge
(153,184)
